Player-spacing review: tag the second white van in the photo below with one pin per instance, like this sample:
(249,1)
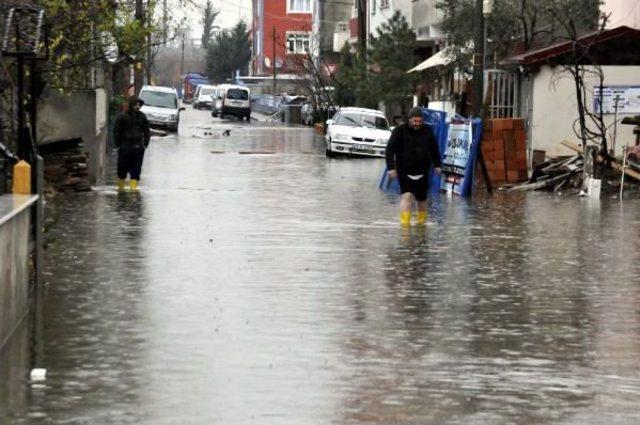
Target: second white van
(232,100)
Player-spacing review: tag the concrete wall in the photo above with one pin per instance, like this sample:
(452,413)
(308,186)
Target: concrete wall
(14,262)
(554,107)
(80,114)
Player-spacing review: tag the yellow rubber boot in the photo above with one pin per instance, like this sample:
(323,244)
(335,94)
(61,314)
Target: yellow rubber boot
(405,218)
(120,184)
(134,184)
(422,218)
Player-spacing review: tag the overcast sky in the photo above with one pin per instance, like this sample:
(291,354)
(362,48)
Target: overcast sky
(230,12)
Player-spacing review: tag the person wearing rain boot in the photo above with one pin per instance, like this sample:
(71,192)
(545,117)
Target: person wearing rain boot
(411,152)
(132,135)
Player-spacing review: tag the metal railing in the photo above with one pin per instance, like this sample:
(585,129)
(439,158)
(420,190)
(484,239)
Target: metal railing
(504,95)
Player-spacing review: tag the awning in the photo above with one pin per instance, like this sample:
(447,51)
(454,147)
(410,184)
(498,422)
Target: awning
(442,58)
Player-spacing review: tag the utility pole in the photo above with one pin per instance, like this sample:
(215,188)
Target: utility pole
(165,22)
(316,31)
(182,58)
(478,55)
(138,76)
(274,61)
(362,25)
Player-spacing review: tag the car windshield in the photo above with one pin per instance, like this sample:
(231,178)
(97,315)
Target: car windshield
(237,94)
(354,119)
(159,99)
(208,92)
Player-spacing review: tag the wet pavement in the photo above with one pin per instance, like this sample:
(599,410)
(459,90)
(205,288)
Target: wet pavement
(254,281)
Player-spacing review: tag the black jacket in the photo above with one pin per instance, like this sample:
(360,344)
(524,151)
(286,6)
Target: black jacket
(131,131)
(412,151)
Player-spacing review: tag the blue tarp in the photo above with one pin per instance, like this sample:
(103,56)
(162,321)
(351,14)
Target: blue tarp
(437,120)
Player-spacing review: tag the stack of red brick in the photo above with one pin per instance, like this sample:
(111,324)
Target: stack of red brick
(504,146)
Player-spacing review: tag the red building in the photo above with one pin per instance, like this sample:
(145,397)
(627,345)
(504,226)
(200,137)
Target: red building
(284,26)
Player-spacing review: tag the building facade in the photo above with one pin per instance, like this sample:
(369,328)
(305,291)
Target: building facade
(422,15)
(282,32)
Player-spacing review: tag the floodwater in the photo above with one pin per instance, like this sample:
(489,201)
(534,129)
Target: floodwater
(254,281)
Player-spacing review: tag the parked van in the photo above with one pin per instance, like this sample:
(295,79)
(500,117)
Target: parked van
(202,98)
(232,100)
(161,106)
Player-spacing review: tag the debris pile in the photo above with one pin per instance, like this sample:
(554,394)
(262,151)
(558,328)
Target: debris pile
(567,172)
(555,174)
(65,167)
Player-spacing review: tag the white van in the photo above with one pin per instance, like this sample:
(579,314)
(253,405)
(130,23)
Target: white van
(203,96)
(161,106)
(232,100)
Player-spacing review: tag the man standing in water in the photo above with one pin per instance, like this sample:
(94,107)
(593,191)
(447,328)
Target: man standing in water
(132,135)
(411,151)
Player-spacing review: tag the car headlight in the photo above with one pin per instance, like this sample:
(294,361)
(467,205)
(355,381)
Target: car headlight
(382,141)
(341,137)
(173,117)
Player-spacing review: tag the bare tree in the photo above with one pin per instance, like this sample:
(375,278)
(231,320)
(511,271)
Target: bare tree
(582,65)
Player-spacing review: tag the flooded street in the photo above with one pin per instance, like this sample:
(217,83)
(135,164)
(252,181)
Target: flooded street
(254,281)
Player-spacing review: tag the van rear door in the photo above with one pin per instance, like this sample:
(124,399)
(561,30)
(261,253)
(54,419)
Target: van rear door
(238,98)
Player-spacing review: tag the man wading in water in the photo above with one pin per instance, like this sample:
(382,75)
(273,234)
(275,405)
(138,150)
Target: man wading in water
(411,151)
(132,135)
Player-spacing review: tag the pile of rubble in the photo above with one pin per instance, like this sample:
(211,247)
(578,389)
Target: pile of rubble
(555,175)
(567,172)
(65,167)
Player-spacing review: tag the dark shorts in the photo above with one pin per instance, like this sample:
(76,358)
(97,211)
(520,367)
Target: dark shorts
(130,162)
(418,188)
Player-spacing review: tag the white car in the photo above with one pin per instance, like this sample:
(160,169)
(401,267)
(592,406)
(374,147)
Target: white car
(357,131)
(161,106)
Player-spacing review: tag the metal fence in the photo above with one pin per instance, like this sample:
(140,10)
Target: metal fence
(504,93)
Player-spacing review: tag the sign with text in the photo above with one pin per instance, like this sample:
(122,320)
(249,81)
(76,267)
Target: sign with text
(627,98)
(456,157)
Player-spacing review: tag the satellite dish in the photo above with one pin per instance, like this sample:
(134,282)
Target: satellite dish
(267,62)
(279,62)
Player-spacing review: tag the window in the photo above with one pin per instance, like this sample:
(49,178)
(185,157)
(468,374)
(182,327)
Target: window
(237,94)
(298,43)
(159,99)
(373,7)
(298,6)
(353,119)
(384,3)
(504,97)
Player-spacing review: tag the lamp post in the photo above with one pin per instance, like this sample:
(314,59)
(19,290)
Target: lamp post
(487,9)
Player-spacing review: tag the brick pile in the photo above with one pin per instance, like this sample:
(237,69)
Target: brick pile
(504,146)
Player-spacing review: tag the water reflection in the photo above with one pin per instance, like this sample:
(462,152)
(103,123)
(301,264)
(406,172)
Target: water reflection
(280,289)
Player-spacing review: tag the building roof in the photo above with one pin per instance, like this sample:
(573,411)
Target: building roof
(614,42)
(442,58)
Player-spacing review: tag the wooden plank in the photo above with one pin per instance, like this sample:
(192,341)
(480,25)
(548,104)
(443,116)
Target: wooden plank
(614,164)
(573,146)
